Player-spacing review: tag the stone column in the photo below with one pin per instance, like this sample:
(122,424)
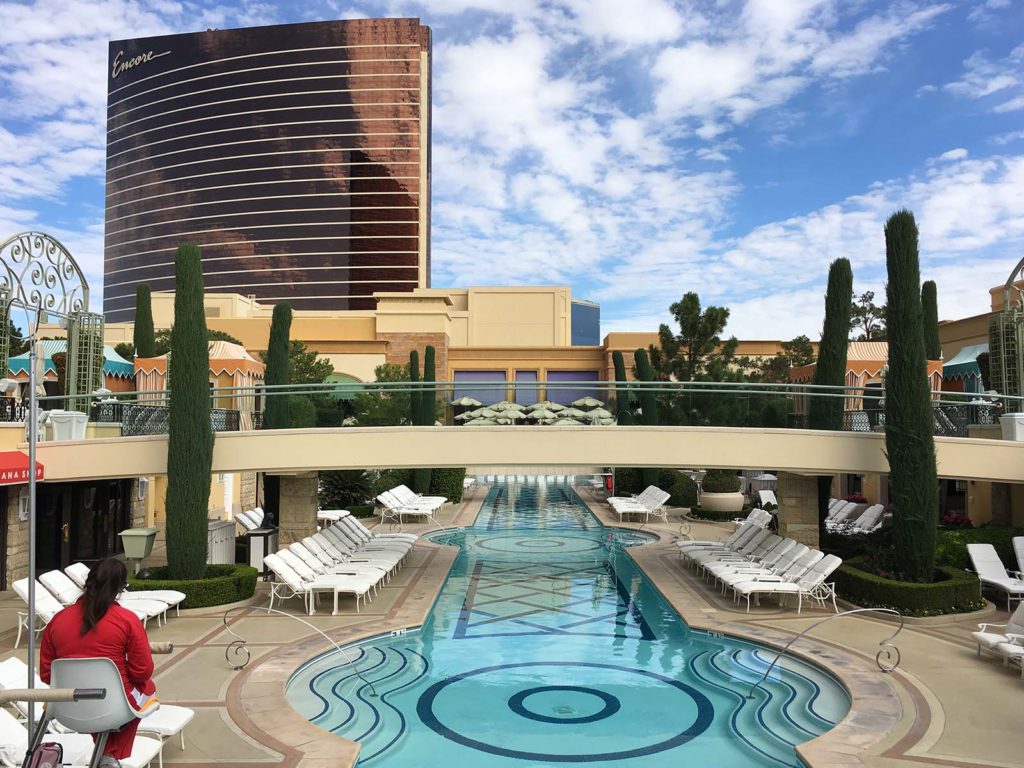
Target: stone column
(798,507)
(17,539)
(297,517)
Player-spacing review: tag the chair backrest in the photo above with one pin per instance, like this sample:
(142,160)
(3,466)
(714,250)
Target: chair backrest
(403,493)
(335,552)
(1018,550)
(802,564)
(388,500)
(746,533)
(46,604)
(768,497)
(849,512)
(787,558)
(870,516)
(13,739)
(754,541)
(761,517)
(1015,626)
(832,502)
(60,586)
(356,527)
(820,571)
(355,533)
(96,716)
(835,509)
(296,564)
(258,516)
(284,572)
(657,498)
(781,547)
(301,551)
(314,545)
(341,543)
(78,573)
(246,521)
(14,674)
(766,546)
(986,561)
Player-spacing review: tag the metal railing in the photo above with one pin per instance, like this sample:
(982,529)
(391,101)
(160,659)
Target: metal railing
(137,419)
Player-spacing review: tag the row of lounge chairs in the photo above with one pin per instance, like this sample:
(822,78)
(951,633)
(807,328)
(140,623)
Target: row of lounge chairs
(56,589)
(852,518)
(753,561)
(648,503)
(402,502)
(344,558)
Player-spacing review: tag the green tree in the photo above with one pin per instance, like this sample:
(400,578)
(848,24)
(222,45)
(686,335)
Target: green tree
(868,317)
(416,399)
(143,335)
(827,412)
(908,410)
(380,407)
(621,392)
(276,413)
(648,407)
(125,349)
(16,342)
(697,351)
(930,312)
(163,339)
(190,434)
(775,369)
(428,413)
(344,488)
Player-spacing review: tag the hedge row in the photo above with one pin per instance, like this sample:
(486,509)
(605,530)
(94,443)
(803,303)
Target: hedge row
(448,482)
(951,547)
(958,592)
(223,584)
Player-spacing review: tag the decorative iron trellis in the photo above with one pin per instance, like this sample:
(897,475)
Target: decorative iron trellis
(1006,338)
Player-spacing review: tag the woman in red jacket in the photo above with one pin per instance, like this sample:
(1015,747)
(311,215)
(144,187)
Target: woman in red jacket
(96,626)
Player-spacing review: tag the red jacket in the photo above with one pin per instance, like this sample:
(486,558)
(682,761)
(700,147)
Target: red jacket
(118,636)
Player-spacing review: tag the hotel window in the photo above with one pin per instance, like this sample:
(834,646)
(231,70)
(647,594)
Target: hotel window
(566,395)
(467,384)
(526,395)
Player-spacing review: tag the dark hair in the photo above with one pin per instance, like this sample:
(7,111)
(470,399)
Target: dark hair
(104,584)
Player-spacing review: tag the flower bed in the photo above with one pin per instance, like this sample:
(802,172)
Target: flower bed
(953,591)
(223,584)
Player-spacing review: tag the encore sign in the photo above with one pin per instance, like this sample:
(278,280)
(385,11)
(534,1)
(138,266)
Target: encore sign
(121,64)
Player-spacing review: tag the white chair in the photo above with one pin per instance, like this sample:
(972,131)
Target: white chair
(992,572)
(1018,550)
(395,511)
(330,551)
(67,592)
(990,641)
(79,572)
(1013,652)
(98,716)
(46,606)
(774,565)
(357,526)
(409,497)
(289,583)
(810,584)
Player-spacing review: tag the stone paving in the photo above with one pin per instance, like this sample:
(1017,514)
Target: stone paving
(943,707)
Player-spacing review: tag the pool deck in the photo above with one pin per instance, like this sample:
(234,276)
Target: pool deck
(943,707)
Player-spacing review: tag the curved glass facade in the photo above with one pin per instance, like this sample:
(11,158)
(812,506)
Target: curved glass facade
(296,155)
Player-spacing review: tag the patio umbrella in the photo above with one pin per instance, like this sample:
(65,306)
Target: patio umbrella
(600,413)
(541,413)
(565,423)
(512,413)
(605,422)
(479,423)
(587,402)
(574,413)
(503,419)
(464,416)
(546,404)
(467,402)
(483,413)
(505,405)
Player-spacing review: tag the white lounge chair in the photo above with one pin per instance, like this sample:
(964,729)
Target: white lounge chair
(1013,652)
(770,566)
(67,592)
(394,511)
(372,576)
(651,502)
(691,549)
(1018,550)
(77,747)
(741,551)
(409,497)
(357,527)
(810,584)
(46,605)
(344,537)
(992,572)
(989,641)
(764,556)
(866,523)
(289,584)
(79,572)
(332,552)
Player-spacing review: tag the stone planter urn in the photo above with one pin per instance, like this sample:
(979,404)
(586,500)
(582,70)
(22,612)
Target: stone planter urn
(722,502)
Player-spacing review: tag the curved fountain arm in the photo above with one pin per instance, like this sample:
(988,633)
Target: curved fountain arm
(886,649)
(237,647)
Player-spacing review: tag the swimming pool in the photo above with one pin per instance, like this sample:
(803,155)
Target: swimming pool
(547,645)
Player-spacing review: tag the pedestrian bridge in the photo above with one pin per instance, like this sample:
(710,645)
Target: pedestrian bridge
(294,451)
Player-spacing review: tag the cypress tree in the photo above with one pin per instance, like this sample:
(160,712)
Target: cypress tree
(621,391)
(277,413)
(415,398)
(908,410)
(143,335)
(648,406)
(190,434)
(930,311)
(428,412)
(827,412)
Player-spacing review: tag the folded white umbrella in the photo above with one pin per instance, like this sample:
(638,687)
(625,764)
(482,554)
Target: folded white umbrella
(573,413)
(480,423)
(546,404)
(467,402)
(542,413)
(587,402)
(600,413)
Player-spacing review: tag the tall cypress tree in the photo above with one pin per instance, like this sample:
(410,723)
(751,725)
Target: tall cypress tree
(621,391)
(909,422)
(143,335)
(428,412)
(930,312)
(277,412)
(190,434)
(827,412)
(415,399)
(648,406)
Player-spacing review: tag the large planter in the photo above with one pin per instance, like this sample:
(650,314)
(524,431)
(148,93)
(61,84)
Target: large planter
(722,502)
(223,584)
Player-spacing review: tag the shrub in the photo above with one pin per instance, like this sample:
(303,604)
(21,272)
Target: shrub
(628,480)
(390,478)
(951,547)
(774,415)
(362,510)
(957,520)
(720,517)
(340,489)
(955,592)
(720,481)
(447,482)
(221,584)
(668,477)
(684,493)
(301,411)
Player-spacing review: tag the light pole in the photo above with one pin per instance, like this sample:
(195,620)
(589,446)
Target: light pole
(39,276)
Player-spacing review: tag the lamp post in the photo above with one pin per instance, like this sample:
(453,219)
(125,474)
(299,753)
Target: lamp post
(39,276)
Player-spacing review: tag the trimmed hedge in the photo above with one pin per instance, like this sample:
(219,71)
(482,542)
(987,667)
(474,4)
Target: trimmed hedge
(448,482)
(628,480)
(684,493)
(720,481)
(958,592)
(223,584)
(361,510)
(951,547)
(718,517)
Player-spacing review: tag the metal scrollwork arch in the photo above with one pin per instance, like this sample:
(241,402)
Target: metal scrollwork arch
(40,274)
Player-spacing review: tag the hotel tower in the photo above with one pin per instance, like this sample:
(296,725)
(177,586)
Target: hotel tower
(297,156)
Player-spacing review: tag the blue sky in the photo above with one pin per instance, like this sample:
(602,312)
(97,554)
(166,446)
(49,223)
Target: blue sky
(634,150)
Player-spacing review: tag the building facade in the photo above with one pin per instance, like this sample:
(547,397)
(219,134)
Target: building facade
(297,156)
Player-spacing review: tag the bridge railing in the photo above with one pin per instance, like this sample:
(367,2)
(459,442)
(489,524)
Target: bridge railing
(736,404)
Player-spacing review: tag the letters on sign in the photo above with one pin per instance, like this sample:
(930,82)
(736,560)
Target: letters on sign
(121,64)
(13,476)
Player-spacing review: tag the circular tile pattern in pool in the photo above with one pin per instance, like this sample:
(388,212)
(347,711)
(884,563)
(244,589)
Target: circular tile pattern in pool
(448,707)
(566,712)
(516,544)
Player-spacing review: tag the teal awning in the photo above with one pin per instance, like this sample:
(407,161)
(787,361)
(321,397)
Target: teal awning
(349,386)
(113,363)
(965,364)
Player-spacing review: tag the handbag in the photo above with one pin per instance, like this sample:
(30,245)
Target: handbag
(49,754)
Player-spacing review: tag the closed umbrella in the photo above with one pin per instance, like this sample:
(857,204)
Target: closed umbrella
(513,414)
(541,413)
(565,423)
(573,413)
(503,419)
(587,402)
(479,423)
(546,404)
(505,405)
(464,416)
(600,413)
(467,402)
(483,413)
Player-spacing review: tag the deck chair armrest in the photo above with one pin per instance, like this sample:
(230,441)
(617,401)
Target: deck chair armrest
(984,627)
(1015,639)
(772,579)
(1016,574)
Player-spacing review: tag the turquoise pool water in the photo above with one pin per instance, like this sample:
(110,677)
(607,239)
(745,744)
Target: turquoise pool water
(548,646)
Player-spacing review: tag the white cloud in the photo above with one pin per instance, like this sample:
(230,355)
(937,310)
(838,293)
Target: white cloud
(984,77)
(1006,138)
(644,22)
(954,154)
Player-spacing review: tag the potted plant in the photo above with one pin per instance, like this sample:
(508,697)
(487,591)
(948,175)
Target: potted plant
(720,491)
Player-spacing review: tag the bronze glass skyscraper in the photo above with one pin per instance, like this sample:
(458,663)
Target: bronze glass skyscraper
(298,156)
